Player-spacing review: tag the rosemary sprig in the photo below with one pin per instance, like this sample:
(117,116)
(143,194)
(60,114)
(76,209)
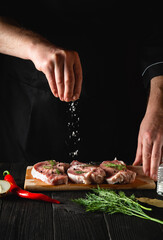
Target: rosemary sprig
(52,162)
(79,172)
(109,201)
(57,171)
(47,167)
(117,166)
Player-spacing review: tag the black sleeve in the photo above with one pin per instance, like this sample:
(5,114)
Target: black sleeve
(152,45)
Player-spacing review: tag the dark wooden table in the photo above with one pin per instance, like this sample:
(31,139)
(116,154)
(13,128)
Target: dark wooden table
(23,219)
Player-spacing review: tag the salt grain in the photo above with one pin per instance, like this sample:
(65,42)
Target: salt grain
(73,138)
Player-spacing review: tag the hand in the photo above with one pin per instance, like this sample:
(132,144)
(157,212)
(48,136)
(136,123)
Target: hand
(150,143)
(62,69)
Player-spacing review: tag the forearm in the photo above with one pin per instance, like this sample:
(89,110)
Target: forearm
(16,41)
(62,68)
(155,102)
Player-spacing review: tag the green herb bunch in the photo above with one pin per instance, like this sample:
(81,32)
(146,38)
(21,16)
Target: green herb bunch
(109,201)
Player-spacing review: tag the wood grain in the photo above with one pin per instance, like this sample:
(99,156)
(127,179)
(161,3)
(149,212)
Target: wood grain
(24,219)
(141,182)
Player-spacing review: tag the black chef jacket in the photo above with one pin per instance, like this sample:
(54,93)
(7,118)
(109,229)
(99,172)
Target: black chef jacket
(120,47)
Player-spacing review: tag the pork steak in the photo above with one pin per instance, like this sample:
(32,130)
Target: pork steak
(117,172)
(85,173)
(51,172)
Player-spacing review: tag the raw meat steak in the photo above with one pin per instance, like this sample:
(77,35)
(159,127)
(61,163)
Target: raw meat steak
(85,173)
(51,172)
(117,172)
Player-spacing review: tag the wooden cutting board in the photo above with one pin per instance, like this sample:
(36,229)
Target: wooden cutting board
(141,182)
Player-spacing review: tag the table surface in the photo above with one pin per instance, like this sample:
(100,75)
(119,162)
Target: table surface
(24,219)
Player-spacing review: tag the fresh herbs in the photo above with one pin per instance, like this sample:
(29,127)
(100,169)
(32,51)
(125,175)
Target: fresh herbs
(57,171)
(117,166)
(47,166)
(52,164)
(109,201)
(79,172)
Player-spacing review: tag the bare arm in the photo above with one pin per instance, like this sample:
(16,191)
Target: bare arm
(150,139)
(61,67)
(14,40)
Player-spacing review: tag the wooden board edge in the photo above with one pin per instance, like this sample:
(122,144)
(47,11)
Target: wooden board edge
(25,181)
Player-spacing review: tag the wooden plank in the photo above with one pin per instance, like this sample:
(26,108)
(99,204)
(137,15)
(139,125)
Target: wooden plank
(141,182)
(25,219)
(70,220)
(90,226)
(131,227)
(29,219)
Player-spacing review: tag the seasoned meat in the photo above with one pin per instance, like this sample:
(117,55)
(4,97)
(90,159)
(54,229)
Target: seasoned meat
(76,162)
(62,167)
(123,176)
(85,173)
(112,167)
(54,173)
(51,172)
(117,172)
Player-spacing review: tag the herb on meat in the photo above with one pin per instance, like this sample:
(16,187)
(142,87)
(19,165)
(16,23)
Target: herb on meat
(47,167)
(117,166)
(57,171)
(79,172)
(109,201)
(52,162)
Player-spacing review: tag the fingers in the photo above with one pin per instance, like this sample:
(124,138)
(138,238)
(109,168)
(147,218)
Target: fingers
(138,159)
(72,78)
(155,160)
(49,72)
(69,82)
(62,69)
(150,144)
(59,75)
(78,78)
(147,153)
(68,76)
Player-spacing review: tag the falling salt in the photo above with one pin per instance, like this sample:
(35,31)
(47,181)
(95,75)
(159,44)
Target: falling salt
(73,138)
(73,134)
(74,154)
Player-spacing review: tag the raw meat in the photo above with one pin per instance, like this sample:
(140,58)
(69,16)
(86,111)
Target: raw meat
(117,172)
(54,173)
(85,173)
(51,172)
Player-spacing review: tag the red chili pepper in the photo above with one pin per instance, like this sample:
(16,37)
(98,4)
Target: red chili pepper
(23,193)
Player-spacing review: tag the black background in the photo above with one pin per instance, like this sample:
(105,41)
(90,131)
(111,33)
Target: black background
(109,38)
